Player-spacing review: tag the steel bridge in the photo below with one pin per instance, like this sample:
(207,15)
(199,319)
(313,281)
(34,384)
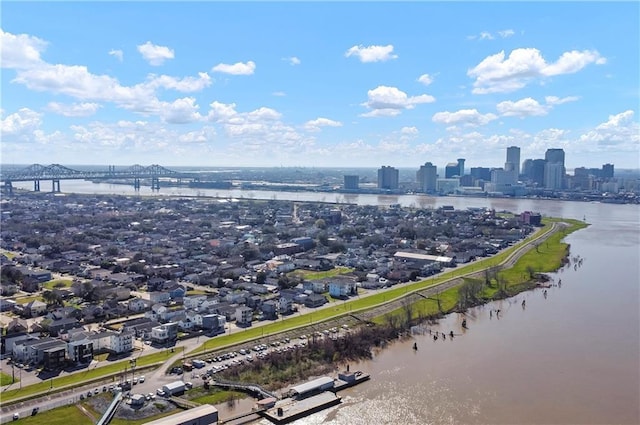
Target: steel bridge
(57,172)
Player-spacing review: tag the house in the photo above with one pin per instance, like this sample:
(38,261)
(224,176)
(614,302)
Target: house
(285,306)
(80,349)
(159,297)
(64,324)
(35,308)
(137,305)
(244,316)
(269,308)
(316,286)
(315,300)
(121,342)
(213,323)
(164,334)
(342,289)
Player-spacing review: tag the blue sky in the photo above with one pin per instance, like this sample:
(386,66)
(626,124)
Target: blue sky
(319,84)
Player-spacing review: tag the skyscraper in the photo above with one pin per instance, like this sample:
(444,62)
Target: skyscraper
(513,160)
(351,182)
(554,171)
(427,176)
(460,167)
(388,178)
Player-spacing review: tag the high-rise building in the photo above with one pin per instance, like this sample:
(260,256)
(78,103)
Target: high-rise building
(537,171)
(451,169)
(351,182)
(481,173)
(427,176)
(607,171)
(554,172)
(513,161)
(388,178)
(460,167)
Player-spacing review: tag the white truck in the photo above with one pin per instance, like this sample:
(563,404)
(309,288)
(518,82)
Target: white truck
(173,388)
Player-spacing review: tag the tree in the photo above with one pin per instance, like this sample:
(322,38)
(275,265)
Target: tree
(321,224)
(52,298)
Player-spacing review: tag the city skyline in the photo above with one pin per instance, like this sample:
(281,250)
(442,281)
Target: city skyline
(319,84)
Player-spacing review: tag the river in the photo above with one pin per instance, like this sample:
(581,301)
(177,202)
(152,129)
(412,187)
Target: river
(570,357)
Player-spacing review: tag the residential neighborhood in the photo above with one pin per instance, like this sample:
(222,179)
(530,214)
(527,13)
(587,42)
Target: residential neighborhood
(90,274)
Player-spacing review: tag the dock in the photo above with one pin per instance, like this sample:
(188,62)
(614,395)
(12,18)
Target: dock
(289,409)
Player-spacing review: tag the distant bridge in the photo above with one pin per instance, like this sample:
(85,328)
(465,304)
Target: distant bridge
(57,172)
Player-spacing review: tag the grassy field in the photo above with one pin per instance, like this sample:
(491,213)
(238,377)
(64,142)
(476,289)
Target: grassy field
(212,396)
(58,283)
(311,275)
(5,379)
(28,299)
(60,416)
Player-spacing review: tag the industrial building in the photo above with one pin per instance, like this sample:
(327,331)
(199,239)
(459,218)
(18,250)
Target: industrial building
(201,415)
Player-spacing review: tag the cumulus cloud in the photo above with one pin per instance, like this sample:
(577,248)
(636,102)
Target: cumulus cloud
(521,108)
(619,129)
(497,74)
(372,53)
(155,55)
(23,121)
(390,101)
(425,79)
(20,51)
(467,117)
(84,109)
(118,54)
(315,125)
(180,111)
(238,68)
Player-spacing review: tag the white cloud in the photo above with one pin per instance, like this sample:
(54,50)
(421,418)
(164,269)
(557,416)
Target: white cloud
(495,74)
(425,79)
(468,117)
(20,51)
(620,130)
(279,93)
(389,101)
(484,35)
(73,110)
(409,131)
(506,33)
(293,60)
(555,100)
(315,125)
(522,108)
(238,68)
(185,85)
(155,55)
(23,121)
(372,53)
(118,54)
(180,111)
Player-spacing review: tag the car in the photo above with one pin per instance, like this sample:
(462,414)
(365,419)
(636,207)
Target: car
(96,391)
(147,342)
(16,416)
(89,394)
(160,392)
(81,396)
(104,389)
(188,384)
(35,411)
(141,379)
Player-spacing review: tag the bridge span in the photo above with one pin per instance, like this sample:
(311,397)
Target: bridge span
(56,172)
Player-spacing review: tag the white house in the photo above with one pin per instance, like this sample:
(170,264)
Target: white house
(138,305)
(121,342)
(244,316)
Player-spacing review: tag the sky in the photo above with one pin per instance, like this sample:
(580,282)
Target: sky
(326,84)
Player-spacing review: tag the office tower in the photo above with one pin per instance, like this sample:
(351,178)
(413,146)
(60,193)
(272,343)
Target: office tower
(388,178)
(460,167)
(513,161)
(607,171)
(537,171)
(554,172)
(451,169)
(351,182)
(426,177)
(481,173)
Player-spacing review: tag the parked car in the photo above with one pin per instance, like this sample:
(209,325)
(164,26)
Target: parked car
(35,411)
(16,416)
